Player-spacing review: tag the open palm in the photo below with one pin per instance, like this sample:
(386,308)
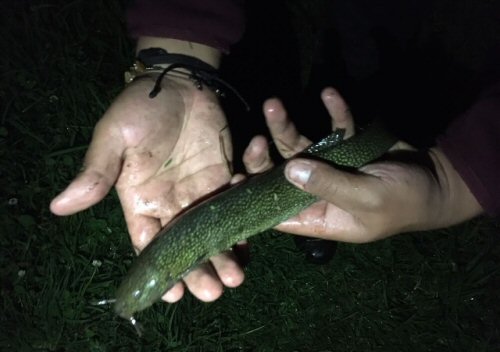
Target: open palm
(161,154)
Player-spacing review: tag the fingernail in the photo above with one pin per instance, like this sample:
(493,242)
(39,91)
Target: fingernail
(298,172)
(169,296)
(254,148)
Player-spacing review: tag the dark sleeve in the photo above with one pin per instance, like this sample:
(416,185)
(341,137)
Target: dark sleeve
(216,23)
(472,144)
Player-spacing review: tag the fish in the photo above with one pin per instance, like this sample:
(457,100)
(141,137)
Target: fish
(246,209)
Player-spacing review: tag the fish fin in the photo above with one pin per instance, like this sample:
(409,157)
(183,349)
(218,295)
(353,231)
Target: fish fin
(137,326)
(331,140)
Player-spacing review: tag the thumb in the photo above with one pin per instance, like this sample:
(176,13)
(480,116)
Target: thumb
(101,168)
(346,190)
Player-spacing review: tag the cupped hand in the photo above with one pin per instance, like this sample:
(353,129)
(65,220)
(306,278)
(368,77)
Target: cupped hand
(161,154)
(382,199)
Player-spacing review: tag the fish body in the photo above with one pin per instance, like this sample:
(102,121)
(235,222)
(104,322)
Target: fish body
(246,209)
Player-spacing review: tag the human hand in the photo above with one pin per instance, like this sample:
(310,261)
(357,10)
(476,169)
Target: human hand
(161,154)
(384,198)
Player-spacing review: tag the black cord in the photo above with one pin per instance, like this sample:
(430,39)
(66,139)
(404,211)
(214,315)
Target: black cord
(201,73)
(199,77)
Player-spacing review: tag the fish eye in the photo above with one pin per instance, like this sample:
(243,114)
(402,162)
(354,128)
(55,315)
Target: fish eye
(137,293)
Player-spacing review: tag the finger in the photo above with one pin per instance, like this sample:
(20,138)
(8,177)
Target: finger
(338,110)
(237,178)
(204,283)
(322,220)
(85,190)
(286,137)
(256,156)
(101,168)
(142,229)
(143,207)
(348,191)
(174,294)
(227,268)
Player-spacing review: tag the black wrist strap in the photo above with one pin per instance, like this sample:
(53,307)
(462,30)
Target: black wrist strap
(200,72)
(158,56)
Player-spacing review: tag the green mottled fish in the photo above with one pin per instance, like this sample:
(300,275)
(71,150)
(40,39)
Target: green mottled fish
(251,207)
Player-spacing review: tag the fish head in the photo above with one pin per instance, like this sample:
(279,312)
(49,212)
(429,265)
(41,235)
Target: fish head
(138,292)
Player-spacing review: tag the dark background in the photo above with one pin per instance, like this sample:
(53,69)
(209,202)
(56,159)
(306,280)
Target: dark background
(412,64)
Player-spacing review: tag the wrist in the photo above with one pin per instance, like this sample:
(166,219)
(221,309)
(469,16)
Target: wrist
(196,61)
(202,52)
(458,203)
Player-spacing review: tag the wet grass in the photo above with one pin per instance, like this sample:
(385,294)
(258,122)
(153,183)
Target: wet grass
(61,65)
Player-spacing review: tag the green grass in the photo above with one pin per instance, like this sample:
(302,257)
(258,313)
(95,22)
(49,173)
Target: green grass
(61,65)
